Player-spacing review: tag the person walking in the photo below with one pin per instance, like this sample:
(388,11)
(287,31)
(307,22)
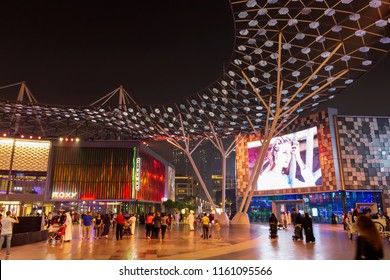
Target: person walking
(205,226)
(107,224)
(132,221)
(119,226)
(164,224)
(6,230)
(307,225)
(98,225)
(284,220)
(68,227)
(191,220)
(369,245)
(149,225)
(87,223)
(217,230)
(156,225)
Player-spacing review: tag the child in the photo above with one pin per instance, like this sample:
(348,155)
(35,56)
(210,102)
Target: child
(217,229)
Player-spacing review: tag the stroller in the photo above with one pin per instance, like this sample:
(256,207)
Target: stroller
(297,232)
(273,230)
(56,235)
(127,228)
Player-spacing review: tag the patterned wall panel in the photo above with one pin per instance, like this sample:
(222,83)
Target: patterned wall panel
(28,155)
(319,120)
(5,153)
(365,153)
(31,155)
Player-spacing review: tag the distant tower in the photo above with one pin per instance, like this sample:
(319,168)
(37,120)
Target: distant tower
(181,162)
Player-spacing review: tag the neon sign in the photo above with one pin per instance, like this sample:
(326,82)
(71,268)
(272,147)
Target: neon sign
(138,174)
(63,195)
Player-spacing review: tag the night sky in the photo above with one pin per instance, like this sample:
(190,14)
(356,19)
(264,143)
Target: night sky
(74,52)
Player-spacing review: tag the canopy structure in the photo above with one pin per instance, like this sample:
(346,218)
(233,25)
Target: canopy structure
(238,102)
(289,57)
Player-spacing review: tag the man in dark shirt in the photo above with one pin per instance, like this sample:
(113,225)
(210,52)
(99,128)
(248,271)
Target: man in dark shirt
(87,224)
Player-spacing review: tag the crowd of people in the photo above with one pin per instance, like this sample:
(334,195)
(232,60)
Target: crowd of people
(368,244)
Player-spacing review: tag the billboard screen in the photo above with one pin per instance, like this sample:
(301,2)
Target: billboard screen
(292,161)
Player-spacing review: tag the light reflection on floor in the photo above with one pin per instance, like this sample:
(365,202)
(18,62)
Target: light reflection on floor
(238,243)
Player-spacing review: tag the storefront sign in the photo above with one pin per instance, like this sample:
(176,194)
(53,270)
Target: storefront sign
(63,195)
(138,174)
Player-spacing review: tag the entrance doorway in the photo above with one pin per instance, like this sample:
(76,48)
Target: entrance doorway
(372,206)
(280,206)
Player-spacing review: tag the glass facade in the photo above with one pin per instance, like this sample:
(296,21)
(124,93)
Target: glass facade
(319,205)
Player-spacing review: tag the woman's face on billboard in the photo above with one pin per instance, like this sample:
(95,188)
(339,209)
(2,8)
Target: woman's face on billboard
(283,155)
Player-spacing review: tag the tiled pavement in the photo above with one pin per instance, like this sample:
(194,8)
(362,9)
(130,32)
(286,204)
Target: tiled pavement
(238,243)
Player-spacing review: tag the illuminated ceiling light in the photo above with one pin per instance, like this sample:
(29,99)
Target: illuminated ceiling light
(292,22)
(252,41)
(272,22)
(306,11)
(385,40)
(360,33)
(77,139)
(283,11)
(354,17)
(292,60)
(251,3)
(22,136)
(330,12)
(314,24)
(244,32)
(337,28)
(262,32)
(296,73)
(310,64)
(381,23)
(345,58)
(243,15)
(253,23)
(61,139)
(263,63)
(346,1)
(320,39)
(300,36)
(375,3)
(262,12)
(306,50)
(367,62)
(66,139)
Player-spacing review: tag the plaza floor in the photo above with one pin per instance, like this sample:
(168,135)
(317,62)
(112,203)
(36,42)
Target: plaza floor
(238,243)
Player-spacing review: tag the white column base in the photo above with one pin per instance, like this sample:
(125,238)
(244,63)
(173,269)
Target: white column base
(222,218)
(240,219)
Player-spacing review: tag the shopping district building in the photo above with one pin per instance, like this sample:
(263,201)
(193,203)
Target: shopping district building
(288,58)
(352,154)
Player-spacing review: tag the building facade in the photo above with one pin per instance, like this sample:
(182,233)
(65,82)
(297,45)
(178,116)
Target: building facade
(349,158)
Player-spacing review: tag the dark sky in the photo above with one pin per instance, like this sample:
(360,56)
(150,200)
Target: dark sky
(74,52)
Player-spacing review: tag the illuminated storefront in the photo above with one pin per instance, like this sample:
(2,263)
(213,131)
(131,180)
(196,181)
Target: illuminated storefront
(343,163)
(23,174)
(107,176)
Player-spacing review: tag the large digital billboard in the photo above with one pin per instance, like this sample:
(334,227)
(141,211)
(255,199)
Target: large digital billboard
(292,161)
